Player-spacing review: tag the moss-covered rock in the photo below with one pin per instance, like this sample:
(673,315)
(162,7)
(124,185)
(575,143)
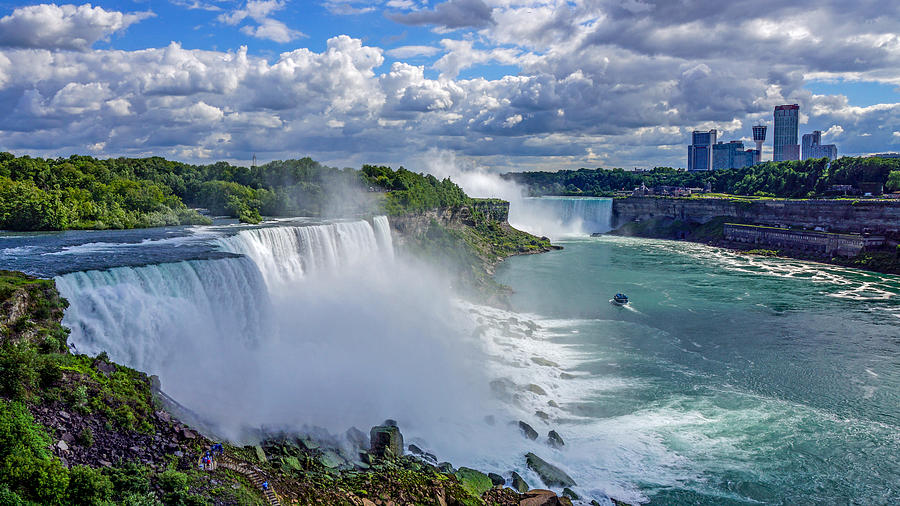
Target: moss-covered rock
(473,481)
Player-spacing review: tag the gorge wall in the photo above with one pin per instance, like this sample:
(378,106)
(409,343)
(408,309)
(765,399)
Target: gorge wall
(878,216)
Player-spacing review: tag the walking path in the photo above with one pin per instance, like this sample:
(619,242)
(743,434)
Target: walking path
(241,468)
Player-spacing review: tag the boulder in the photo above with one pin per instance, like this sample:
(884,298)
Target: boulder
(386,441)
(536,389)
(555,440)
(474,482)
(544,362)
(445,467)
(496,479)
(260,454)
(330,459)
(551,475)
(357,438)
(415,450)
(565,501)
(527,430)
(568,492)
(542,415)
(518,483)
(552,404)
(539,497)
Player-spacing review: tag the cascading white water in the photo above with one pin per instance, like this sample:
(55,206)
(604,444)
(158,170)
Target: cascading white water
(310,325)
(147,316)
(285,254)
(558,217)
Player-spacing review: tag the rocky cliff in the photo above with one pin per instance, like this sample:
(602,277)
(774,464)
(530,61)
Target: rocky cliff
(877,216)
(467,242)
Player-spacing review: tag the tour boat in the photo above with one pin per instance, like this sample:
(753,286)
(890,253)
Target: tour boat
(620,299)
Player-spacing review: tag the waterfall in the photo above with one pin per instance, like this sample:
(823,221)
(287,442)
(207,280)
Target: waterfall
(146,317)
(304,325)
(557,217)
(285,254)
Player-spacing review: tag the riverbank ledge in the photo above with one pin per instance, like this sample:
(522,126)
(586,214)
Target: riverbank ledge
(855,233)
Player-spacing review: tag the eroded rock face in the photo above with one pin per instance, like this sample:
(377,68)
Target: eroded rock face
(386,440)
(551,475)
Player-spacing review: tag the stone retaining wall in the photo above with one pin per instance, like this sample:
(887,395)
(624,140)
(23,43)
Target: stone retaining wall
(875,216)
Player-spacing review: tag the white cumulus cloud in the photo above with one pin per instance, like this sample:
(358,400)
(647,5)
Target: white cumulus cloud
(54,26)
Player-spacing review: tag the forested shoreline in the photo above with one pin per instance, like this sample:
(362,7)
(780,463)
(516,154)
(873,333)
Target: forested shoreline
(82,192)
(791,179)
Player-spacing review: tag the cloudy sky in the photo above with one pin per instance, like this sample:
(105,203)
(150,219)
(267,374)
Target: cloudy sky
(502,84)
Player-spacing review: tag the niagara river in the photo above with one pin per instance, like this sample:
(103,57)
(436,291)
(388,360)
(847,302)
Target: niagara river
(728,379)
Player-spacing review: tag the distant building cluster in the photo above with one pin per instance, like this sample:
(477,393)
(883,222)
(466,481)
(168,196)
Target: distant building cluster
(706,152)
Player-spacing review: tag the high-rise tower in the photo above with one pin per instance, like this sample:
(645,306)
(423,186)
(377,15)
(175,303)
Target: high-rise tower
(786,126)
(700,152)
(759,136)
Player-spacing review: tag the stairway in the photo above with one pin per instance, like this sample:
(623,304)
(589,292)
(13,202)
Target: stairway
(252,474)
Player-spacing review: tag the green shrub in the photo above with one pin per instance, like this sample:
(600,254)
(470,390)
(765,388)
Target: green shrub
(88,486)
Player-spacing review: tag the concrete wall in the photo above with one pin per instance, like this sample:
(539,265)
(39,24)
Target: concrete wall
(803,240)
(880,217)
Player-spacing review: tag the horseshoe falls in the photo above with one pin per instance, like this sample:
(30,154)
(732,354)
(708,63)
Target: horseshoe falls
(560,217)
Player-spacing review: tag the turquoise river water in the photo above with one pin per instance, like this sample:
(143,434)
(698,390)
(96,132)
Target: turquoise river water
(728,378)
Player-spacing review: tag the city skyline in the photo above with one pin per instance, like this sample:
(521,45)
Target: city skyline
(505,86)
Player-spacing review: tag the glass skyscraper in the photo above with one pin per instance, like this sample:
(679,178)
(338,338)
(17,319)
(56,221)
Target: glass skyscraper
(700,152)
(786,129)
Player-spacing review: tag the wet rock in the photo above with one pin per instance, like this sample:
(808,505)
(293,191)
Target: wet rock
(536,389)
(518,483)
(567,376)
(544,362)
(496,479)
(552,404)
(330,459)
(390,423)
(542,415)
(527,430)
(539,497)
(386,441)
(565,501)
(415,450)
(475,482)
(445,467)
(568,492)
(551,475)
(555,440)
(104,367)
(260,454)
(357,438)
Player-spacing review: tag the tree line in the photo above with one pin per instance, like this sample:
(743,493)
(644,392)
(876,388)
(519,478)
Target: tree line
(82,192)
(789,179)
